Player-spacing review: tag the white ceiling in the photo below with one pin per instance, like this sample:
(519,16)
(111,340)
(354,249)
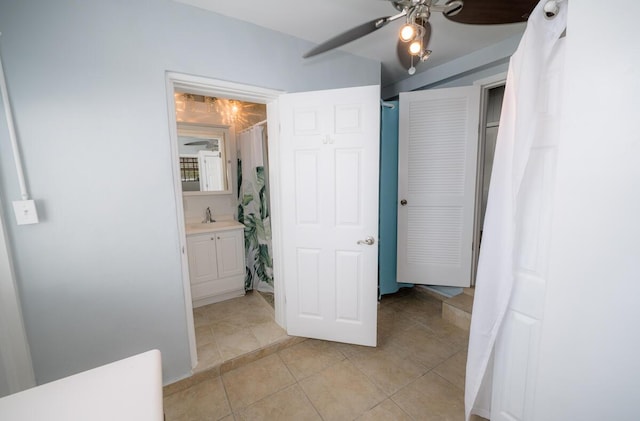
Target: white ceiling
(319,20)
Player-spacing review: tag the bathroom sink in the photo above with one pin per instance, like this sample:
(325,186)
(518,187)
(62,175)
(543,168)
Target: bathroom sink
(222,225)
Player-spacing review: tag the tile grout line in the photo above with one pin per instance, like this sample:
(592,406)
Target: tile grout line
(401,408)
(226,396)
(368,378)
(447,380)
(297,383)
(386,396)
(441,334)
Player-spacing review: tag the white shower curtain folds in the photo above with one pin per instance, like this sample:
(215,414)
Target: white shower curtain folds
(251,150)
(495,276)
(254,134)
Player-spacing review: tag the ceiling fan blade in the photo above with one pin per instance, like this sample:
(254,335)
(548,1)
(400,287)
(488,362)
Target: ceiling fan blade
(450,8)
(199,143)
(402,48)
(492,12)
(350,35)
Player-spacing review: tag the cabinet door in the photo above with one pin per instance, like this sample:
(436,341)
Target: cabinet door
(202,258)
(230,252)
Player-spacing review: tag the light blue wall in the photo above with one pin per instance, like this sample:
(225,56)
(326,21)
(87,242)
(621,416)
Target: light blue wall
(462,71)
(4,385)
(467,79)
(100,276)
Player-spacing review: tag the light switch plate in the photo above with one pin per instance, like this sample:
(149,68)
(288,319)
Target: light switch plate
(25,211)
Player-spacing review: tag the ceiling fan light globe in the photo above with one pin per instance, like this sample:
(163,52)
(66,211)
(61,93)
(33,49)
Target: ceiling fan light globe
(415,48)
(407,32)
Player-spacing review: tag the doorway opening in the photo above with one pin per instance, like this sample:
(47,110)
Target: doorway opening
(207,118)
(491,98)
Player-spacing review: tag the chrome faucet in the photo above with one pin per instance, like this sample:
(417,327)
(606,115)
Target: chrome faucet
(207,216)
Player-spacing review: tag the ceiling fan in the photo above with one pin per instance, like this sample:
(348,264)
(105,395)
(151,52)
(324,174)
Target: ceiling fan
(199,143)
(207,143)
(416,31)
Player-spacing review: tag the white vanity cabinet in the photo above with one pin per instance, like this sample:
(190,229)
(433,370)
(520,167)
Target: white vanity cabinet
(216,264)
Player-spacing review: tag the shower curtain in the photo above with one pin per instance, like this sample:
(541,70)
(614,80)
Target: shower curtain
(518,126)
(253,209)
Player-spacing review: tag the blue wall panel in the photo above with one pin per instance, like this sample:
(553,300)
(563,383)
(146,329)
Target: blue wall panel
(387,259)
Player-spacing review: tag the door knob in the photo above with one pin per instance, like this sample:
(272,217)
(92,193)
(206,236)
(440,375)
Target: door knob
(368,241)
(403,202)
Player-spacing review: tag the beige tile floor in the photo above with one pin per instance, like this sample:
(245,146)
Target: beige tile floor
(232,328)
(415,373)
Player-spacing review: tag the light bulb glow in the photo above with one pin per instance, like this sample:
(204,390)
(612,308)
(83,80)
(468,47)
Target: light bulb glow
(407,32)
(415,47)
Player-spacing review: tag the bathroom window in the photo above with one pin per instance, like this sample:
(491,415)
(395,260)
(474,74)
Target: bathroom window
(189,169)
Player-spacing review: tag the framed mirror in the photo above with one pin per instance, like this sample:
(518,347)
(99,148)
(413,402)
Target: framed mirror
(204,158)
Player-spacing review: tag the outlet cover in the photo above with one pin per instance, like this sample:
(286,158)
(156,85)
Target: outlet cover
(25,212)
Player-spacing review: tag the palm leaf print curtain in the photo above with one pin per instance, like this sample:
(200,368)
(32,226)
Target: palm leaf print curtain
(253,210)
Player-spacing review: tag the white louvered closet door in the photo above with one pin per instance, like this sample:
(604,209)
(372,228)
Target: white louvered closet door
(438,142)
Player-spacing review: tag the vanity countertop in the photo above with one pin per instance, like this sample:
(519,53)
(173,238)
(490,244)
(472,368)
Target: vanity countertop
(222,225)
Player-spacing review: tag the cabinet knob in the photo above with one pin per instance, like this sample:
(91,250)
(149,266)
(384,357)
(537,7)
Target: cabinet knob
(403,202)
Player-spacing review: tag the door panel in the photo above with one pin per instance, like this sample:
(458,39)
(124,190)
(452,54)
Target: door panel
(348,285)
(516,352)
(306,180)
(518,344)
(202,258)
(438,140)
(348,188)
(230,253)
(308,277)
(434,237)
(329,144)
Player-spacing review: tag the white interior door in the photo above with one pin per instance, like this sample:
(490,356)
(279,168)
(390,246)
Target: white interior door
(211,171)
(518,343)
(329,164)
(438,142)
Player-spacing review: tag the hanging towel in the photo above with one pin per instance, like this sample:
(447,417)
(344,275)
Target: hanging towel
(495,276)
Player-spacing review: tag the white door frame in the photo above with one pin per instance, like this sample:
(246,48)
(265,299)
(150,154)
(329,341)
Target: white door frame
(223,89)
(483,85)
(15,356)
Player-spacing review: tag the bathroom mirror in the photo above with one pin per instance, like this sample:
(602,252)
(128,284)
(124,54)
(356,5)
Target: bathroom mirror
(204,163)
